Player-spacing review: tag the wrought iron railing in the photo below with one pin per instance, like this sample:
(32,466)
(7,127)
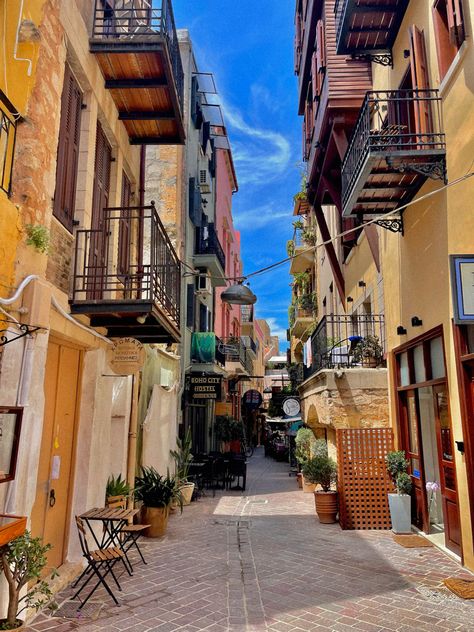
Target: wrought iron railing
(235,350)
(8,122)
(246,313)
(249,343)
(393,122)
(128,258)
(207,243)
(339,9)
(140,21)
(331,347)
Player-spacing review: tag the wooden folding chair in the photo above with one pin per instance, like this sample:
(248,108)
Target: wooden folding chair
(100,563)
(131,532)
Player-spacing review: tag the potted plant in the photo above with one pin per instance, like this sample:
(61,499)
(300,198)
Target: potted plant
(309,237)
(182,458)
(236,434)
(157,493)
(22,561)
(399,502)
(304,444)
(368,352)
(117,490)
(322,470)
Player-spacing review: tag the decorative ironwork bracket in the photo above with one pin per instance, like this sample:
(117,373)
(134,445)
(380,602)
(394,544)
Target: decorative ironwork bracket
(435,170)
(384,59)
(25,329)
(395,224)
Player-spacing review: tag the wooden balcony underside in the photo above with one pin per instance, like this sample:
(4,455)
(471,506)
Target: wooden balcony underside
(142,86)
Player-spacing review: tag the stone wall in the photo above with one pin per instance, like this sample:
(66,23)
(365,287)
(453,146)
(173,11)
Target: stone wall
(61,251)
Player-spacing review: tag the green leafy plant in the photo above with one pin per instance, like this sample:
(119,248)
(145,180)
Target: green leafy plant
(156,490)
(222,428)
(290,247)
(368,348)
(305,441)
(302,195)
(403,483)
(309,237)
(22,561)
(117,486)
(291,314)
(182,456)
(321,470)
(307,301)
(298,224)
(301,280)
(38,237)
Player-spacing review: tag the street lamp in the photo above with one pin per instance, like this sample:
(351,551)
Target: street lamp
(238,294)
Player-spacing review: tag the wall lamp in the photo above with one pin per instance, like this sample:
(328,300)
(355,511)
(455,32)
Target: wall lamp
(362,284)
(238,294)
(349,299)
(401,331)
(416,322)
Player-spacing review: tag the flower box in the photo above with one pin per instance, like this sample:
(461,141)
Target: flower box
(11,527)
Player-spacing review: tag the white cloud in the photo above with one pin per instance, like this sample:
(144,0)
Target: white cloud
(277,330)
(256,218)
(261,155)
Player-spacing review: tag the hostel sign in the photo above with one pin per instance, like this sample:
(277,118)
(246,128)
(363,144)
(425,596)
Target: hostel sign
(203,387)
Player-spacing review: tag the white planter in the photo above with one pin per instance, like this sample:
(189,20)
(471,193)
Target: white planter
(400,512)
(187,493)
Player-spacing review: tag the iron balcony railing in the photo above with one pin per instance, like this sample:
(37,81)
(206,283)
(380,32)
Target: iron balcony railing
(206,348)
(128,258)
(246,313)
(249,343)
(405,122)
(235,351)
(207,243)
(331,346)
(339,7)
(140,21)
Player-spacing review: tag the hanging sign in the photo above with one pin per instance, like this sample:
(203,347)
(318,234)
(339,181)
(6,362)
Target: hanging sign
(462,283)
(252,399)
(205,387)
(126,356)
(291,407)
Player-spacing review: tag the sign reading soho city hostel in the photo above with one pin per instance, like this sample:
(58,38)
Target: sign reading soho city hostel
(205,387)
(462,282)
(126,356)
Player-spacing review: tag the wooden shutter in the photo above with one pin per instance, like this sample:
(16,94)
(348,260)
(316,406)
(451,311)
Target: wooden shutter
(123,263)
(315,76)
(68,150)
(190,305)
(455,22)
(320,46)
(420,80)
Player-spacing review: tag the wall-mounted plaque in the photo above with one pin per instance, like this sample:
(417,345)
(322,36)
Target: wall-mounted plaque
(462,282)
(126,356)
(10,427)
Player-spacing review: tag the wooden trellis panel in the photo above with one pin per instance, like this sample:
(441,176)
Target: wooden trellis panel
(363,481)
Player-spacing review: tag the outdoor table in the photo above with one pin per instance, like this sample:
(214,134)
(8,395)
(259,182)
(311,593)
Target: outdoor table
(113,520)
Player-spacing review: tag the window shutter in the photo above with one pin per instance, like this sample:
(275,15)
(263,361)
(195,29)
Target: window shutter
(103,158)
(190,305)
(68,150)
(123,263)
(320,46)
(420,80)
(455,22)
(315,76)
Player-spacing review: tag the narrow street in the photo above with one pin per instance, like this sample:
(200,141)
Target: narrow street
(261,561)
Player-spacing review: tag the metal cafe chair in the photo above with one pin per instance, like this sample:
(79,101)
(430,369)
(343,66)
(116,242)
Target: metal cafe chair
(100,563)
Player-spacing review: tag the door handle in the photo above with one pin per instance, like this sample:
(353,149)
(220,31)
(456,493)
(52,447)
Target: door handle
(52,498)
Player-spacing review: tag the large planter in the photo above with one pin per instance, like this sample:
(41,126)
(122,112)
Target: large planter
(21,625)
(326,506)
(308,487)
(187,490)
(157,518)
(400,512)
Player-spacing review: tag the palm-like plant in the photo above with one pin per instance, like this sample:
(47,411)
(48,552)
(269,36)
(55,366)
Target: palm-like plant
(182,456)
(156,490)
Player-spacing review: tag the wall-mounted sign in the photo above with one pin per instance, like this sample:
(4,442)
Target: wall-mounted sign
(202,387)
(462,283)
(126,356)
(291,407)
(10,426)
(252,399)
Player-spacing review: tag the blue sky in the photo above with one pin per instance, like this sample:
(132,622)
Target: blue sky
(248,45)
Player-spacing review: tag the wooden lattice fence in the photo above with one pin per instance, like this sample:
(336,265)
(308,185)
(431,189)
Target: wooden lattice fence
(363,481)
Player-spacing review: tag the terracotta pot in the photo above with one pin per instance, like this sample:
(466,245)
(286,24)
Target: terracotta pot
(21,625)
(308,487)
(157,518)
(326,506)
(187,492)
(299,480)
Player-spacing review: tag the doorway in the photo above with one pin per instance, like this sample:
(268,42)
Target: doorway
(50,513)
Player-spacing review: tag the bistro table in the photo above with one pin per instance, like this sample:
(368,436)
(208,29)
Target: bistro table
(113,520)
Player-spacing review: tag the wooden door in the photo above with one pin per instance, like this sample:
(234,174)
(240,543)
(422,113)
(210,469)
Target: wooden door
(100,201)
(125,228)
(50,514)
(447,469)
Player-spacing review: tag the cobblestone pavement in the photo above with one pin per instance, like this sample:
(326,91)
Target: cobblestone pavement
(261,561)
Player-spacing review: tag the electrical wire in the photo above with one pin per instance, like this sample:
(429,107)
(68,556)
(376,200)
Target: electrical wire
(391,213)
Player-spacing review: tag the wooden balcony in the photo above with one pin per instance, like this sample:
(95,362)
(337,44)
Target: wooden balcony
(303,320)
(237,357)
(137,49)
(368,28)
(398,143)
(127,276)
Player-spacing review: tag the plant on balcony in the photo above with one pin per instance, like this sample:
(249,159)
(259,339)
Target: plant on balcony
(400,502)
(291,314)
(298,224)
(301,280)
(309,237)
(307,302)
(290,248)
(302,193)
(368,351)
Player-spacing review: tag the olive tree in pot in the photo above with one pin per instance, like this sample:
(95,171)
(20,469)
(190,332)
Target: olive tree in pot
(22,561)
(399,503)
(157,493)
(182,458)
(322,470)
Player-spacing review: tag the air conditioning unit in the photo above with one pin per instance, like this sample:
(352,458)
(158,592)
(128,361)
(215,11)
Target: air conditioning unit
(205,183)
(204,286)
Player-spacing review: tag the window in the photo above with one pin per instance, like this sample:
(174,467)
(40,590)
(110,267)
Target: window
(449,31)
(8,117)
(68,151)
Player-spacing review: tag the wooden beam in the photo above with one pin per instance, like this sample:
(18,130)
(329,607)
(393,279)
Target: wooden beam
(147,116)
(372,235)
(340,140)
(333,191)
(156,140)
(331,252)
(131,84)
